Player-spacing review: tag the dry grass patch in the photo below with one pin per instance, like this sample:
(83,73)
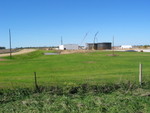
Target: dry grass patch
(112,55)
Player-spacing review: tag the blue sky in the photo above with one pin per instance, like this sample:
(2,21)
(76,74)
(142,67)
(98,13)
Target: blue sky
(43,22)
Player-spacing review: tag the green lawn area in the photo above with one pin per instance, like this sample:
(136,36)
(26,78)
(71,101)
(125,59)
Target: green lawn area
(94,68)
(78,83)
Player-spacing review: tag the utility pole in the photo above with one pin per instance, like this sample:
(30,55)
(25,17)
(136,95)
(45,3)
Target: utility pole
(113,46)
(10,43)
(61,41)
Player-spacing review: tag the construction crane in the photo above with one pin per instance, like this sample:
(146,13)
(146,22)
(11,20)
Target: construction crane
(84,38)
(95,39)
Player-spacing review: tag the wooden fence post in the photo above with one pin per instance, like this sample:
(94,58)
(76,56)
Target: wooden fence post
(36,85)
(140,74)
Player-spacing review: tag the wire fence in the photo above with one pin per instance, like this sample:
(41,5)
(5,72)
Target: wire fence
(35,79)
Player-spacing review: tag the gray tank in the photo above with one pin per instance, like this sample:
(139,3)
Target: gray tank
(102,46)
(99,46)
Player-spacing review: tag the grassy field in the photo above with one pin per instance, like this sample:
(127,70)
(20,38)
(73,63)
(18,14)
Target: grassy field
(110,98)
(93,82)
(94,68)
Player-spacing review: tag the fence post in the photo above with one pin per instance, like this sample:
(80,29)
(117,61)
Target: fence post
(36,85)
(140,74)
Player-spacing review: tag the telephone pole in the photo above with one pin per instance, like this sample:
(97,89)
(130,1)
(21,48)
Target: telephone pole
(10,43)
(113,46)
(61,41)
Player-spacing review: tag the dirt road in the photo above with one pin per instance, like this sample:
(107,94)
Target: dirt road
(18,53)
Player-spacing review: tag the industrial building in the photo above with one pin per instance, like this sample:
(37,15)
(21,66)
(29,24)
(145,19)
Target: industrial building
(99,46)
(69,47)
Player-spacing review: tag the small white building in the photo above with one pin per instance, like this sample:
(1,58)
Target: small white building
(69,47)
(126,47)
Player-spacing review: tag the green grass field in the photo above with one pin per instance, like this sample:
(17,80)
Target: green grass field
(94,68)
(75,83)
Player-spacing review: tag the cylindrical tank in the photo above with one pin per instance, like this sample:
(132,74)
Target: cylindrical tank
(101,46)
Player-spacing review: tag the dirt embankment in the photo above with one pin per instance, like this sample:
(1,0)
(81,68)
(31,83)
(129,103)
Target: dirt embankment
(4,51)
(23,51)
